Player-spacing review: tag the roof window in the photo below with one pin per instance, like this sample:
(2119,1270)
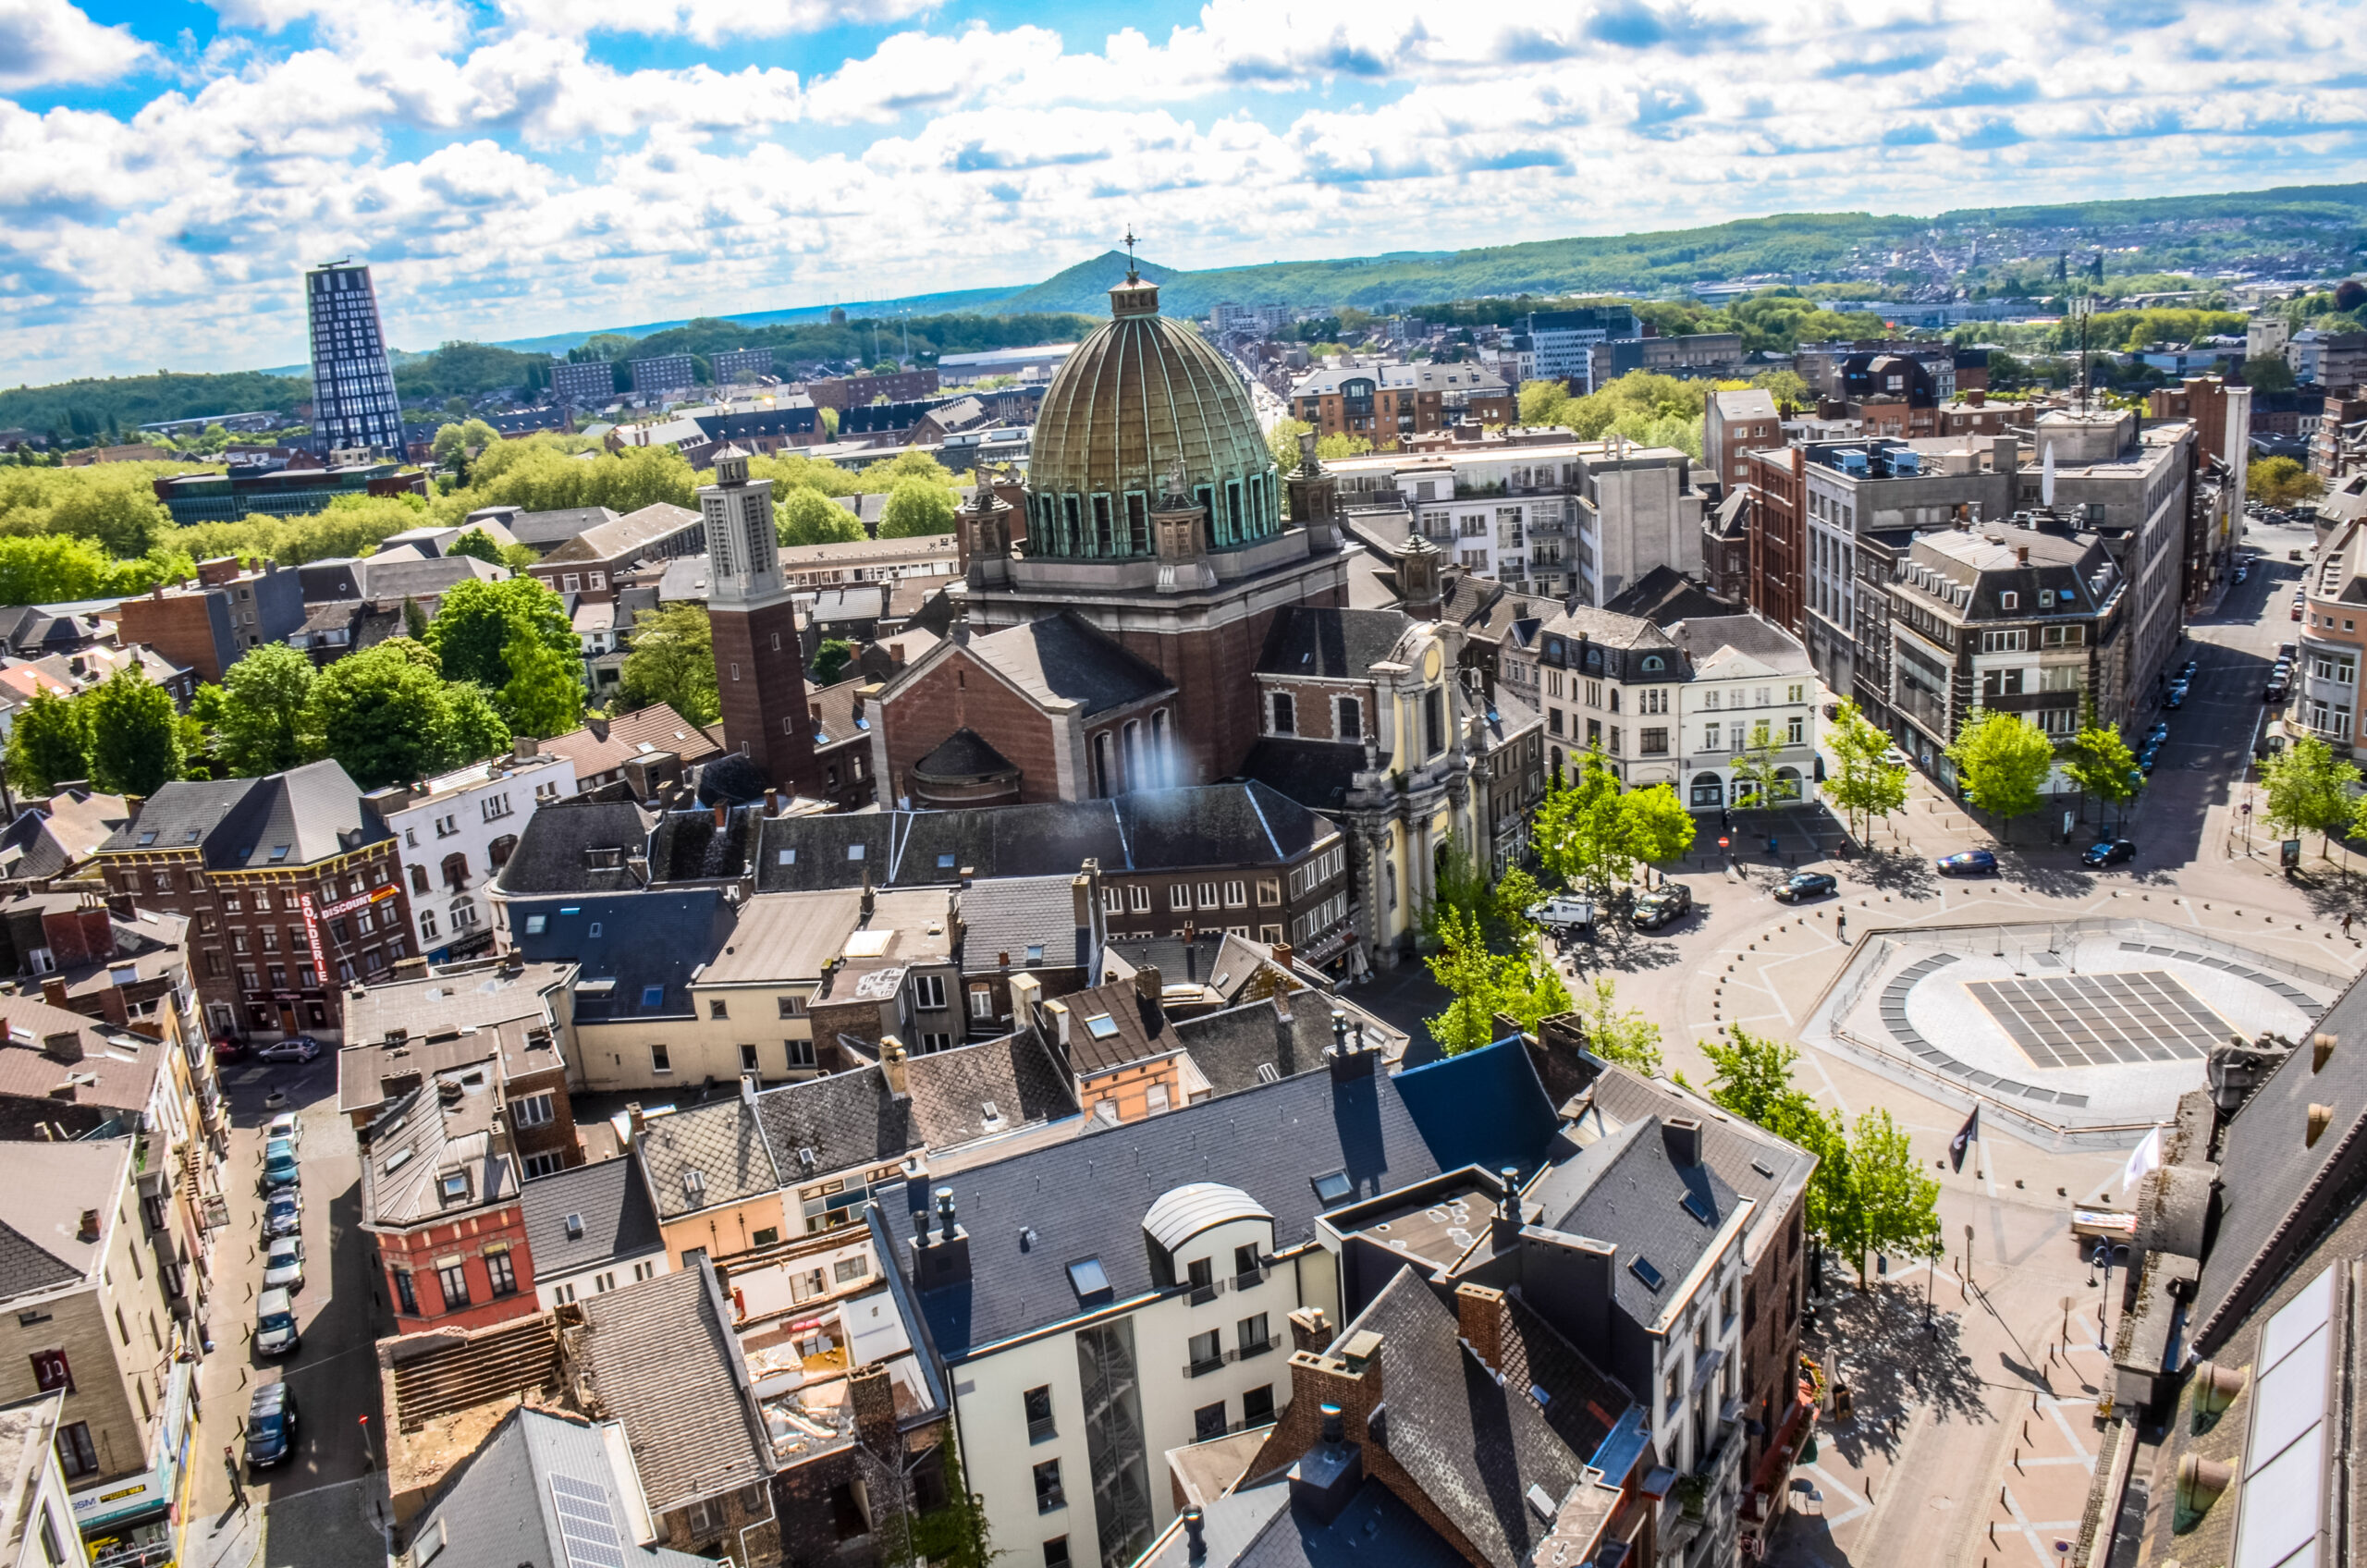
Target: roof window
(279,853)
(855,852)
(1034,952)
(454,1186)
(945,862)
(1101,1026)
(1333,1186)
(1087,1278)
(652,995)
(1643,1269)
(575,1226)
(1697,1207)
(694,1185)
(147,839)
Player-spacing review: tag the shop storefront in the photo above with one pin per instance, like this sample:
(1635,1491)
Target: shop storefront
(135,1521)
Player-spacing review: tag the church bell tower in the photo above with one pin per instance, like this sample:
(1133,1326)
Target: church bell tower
(759,663)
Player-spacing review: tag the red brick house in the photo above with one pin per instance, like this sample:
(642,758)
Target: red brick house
(440,1191)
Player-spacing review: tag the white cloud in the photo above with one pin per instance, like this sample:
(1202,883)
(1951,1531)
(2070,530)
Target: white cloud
(48,42)
(533,175)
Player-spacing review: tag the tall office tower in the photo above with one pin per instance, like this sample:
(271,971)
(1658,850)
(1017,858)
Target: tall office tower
(759,664)
(353,384)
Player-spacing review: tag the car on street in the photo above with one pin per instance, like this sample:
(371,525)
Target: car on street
(271,1424)
(2297,601)
(1896,758)
(1563,915)
(1666,902)
(2109,852)
(1806,885)
(1968,863)
(279,1165)
(2242,573)
(283,1213)
(2288,652)
(2136,779)
(299,1048)
(229,1050)
(2146,758)
(2279,687)
(287,1126)
(2187,671)
(2160,732)
(275,1330)
(2177,697)
(283,1266)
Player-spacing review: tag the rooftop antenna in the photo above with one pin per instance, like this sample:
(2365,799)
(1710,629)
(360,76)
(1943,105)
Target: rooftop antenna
(1133,274)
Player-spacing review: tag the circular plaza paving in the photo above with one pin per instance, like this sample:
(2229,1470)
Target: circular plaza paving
(2083,1030)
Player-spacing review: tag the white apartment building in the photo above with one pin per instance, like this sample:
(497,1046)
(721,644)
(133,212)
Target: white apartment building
(455,831)
(1540,511)
(1681,705)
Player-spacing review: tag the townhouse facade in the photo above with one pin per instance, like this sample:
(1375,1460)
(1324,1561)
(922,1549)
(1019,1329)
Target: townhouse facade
(456,832)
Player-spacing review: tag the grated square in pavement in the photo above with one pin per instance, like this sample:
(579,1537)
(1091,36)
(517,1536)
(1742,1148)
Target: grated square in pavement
(2101,1020)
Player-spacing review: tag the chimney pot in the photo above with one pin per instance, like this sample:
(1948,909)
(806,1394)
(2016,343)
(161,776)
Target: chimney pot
(2321,1052)
(2321,1118)
(1195,1533)
(945,1212)
(1683,1135)
(1333,1427)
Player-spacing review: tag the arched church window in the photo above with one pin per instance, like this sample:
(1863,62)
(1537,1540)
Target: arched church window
(1102,764)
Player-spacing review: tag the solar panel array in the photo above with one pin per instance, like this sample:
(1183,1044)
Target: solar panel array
(2110,1020)
(586,1523)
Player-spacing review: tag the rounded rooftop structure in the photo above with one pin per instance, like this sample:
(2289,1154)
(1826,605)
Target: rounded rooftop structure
(1146,411)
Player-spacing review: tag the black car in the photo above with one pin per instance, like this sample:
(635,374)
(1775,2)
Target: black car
(2279,687)
(1806,884)
(2111,852)
(1662,905)
(271,1424)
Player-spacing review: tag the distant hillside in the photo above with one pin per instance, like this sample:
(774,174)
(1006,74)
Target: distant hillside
(1084,288)
(957,299)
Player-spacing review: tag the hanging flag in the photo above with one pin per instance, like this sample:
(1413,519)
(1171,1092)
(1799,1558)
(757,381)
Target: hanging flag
(2145,1157)
(1963,1140)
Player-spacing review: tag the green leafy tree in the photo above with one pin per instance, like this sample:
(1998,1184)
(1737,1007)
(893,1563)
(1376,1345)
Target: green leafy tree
(49,743)
(1475,978)
(1888,1204)
(672,661)
(1501,904)
(259,716)
(1864,784)
(1617,1034)
(414,620)
(2100,762)
(544,696)
(2307,787)
(1754,1081)
(1756,766)
(135,734)
(2281,482)
(1536,992)
(808,517)
(2003,760)
(1282,441)
(478,542)
(384,713)
(1589,833)
(2268,373)
(1655,825)
(453,443)
(832,659)
(473,728)
(917,506)
(476,623)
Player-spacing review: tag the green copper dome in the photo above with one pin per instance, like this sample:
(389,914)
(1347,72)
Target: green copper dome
(1140,399)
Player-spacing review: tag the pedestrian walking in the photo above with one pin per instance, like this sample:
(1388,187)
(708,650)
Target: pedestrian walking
(2346,923)
(1841,927)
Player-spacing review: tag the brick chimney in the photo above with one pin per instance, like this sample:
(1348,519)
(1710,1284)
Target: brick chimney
(891,1063)
(1480,1313)
(1310,1330)
(872,1395)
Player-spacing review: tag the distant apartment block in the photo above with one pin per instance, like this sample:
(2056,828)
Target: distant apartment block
(738,366)
(1563,342)
(663,374)
(208,627)
(1383,402)
(843,392)
(591,385)
(287,491)
(354,384)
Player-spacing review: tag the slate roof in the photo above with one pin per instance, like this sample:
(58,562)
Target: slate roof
(45,841)
(118,1070)
(611,1200)
(44,1188)
(645,943)
(401,1188)
(1746,634)
(1665,595)
(722,1142)
(494,1509)
(1625,1190)
(1209,825)
(1333,645)
(1490,1110)
(1015,913)
(1316,774)
(317,812)
(1229,1046)
(663,1364)
(607,744)
(1137,1030)
(687,846)
(962,754)
(1085,1196)
(1063,661)
(462,996)
(2269,1175)
(1734,1148)
(1258,1526)
(1603,627)
(397,580)
(849,1120)
(552,852)
(1474,1446)
(783,936)
(635,531)
(951,1089)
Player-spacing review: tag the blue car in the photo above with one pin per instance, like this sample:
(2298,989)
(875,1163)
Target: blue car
(279,1165)
(2160,732)
(1969,862)
(2145,759)
(2111,852)
(2176,699)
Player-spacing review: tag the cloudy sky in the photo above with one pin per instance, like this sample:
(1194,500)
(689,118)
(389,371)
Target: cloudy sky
(512,167)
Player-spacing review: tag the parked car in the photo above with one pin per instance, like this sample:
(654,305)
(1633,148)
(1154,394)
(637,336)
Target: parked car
(283,1213)
(296,1048)
(2279,687)
(227,1050)
(2288,652)
(1969,862)
(287,1126)
(2296,607)
(271,1424)
(2242,573)
(2187,671)
(1806,884)
(275,1331)
(1896,758)
(1563,915)
(2161,731)
(283,1266)
(2177,697)
(2146,758)
(279,1165)
(2110,851)
(1666,902)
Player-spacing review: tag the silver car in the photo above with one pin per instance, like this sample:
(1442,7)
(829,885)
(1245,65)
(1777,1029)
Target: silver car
(283,1266)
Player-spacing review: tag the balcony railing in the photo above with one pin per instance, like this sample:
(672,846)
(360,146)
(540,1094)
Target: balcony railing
(1040,1428)
(1258,1348)
(1047,1499)
(1202,1368)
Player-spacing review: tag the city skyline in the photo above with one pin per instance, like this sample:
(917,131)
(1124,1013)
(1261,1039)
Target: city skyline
(532,167)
